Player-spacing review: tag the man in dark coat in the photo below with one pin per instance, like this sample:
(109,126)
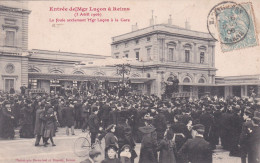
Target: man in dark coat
(38,123)
(250,139)
(207,120)
(85,113)
(94,124)
(197,150)
(105,112)
(225,130)
(160,124)
(26,130)
(149,144)
(78,118)
(237,122)
(8,118)
(68,116)
(113,115)
(248,115)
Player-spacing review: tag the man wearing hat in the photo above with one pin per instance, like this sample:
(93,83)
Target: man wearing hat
(197,150)
(7,126)
(148,153)
(250,138)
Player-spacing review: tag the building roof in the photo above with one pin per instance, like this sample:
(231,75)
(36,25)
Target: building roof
(163,29)
(59,55)
(238,80)
(15,6)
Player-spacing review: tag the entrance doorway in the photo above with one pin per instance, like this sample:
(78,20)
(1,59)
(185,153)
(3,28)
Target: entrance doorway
(9,83)
(237,91)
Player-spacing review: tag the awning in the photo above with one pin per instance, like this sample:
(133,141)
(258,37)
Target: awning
(237,84)
(81,77)
(197,84)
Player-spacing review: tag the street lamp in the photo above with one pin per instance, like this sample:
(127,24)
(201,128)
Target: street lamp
(123,69)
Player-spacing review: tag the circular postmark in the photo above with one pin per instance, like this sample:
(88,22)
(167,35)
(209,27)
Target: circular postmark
(230,20)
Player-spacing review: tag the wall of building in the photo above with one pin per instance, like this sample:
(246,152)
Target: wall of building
(10,68)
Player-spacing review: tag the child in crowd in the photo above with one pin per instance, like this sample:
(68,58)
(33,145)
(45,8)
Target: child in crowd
(125,155)
(111,152)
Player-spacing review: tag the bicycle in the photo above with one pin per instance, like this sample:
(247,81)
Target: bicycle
(82,146)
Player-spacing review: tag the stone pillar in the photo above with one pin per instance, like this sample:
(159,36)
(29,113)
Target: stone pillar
(213,55)
(195,53)
(24,71)
(179,52)
(228,91)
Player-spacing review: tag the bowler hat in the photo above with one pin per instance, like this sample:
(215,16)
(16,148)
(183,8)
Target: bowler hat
(110,127)
(199,128)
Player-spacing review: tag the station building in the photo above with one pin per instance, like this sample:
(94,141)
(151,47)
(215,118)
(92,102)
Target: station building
(162,52)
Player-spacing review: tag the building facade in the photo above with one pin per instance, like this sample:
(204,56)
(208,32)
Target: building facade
(13,44)
(161,51)
(167,50)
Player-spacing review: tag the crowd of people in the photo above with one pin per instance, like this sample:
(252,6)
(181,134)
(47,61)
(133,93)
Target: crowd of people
(174,130)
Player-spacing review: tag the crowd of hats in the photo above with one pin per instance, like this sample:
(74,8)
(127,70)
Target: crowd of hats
(143,103)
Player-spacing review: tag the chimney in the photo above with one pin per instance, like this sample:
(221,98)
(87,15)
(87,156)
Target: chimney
(170,20)
(152,20)
(134,27)
(187,24)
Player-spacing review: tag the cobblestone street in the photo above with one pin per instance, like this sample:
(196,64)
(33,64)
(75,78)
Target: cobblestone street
(23,150)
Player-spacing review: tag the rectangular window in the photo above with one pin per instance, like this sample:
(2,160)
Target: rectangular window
(186,88)
(187,56)
(126,55)
(75,83)
(170,56)
(136,42)
(148,38)
(9,83)
(149,54)
(137,55)
(10,37)
(33,83)
(202,57)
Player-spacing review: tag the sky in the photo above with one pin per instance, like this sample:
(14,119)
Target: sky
(95,38)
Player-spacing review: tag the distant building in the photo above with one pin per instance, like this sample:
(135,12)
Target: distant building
(166,51)
(163,51)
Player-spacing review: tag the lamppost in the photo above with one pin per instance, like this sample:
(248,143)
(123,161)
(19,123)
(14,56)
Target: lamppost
(123,69)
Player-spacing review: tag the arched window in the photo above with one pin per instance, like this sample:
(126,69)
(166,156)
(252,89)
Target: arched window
(56,72)
(78,73)
(186,80)
(201,80)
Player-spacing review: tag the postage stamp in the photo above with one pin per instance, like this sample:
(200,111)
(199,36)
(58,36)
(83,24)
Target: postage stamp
(234,25)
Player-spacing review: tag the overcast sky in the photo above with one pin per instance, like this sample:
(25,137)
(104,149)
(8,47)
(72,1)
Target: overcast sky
(95,38)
